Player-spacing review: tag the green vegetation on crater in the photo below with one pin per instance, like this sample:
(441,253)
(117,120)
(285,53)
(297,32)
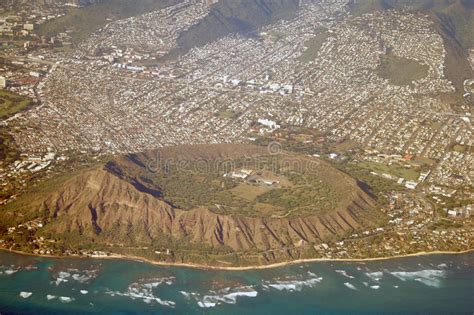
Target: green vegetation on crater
(307,191)
(304,193)
(290,185)
(401,71)
(308,195)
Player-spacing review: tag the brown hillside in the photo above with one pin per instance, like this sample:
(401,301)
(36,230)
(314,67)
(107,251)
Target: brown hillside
(117,205)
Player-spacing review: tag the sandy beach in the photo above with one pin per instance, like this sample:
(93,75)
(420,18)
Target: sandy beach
(261,267)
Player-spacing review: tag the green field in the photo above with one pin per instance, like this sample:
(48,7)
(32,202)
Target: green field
(463,148)
(11,103)
(313,46)
(249,192)
(367,6)
(82,22)
(7,13)
(401,71)
(228,114)
(394,169)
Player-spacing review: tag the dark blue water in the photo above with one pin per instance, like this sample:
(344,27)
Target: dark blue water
(437,284)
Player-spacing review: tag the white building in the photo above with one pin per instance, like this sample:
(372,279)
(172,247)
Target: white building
(245,171)
(29,26)
(269,182)
(269,123)
(35,74)
(424,176)
(411,185)
(3,82)
(239,175)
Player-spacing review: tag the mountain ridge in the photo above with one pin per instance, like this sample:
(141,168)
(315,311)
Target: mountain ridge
(233,16)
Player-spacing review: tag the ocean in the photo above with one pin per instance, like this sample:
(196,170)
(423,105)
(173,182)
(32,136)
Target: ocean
(432,284)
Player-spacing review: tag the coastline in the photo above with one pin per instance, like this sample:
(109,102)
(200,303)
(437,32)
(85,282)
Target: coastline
(246,268)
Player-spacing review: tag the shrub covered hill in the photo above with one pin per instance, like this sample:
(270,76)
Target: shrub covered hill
(228,205)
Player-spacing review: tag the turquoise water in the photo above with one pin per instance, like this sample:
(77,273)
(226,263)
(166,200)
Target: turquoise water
(437,284)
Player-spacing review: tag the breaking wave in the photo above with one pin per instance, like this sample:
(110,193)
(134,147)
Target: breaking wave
(143,290)
(81,276)
(432,278)
(25,295)
(226,295)
(344,273)
(292,285)
(350,285)
(375,276)
(66,299)
(9,270)
(12,269)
